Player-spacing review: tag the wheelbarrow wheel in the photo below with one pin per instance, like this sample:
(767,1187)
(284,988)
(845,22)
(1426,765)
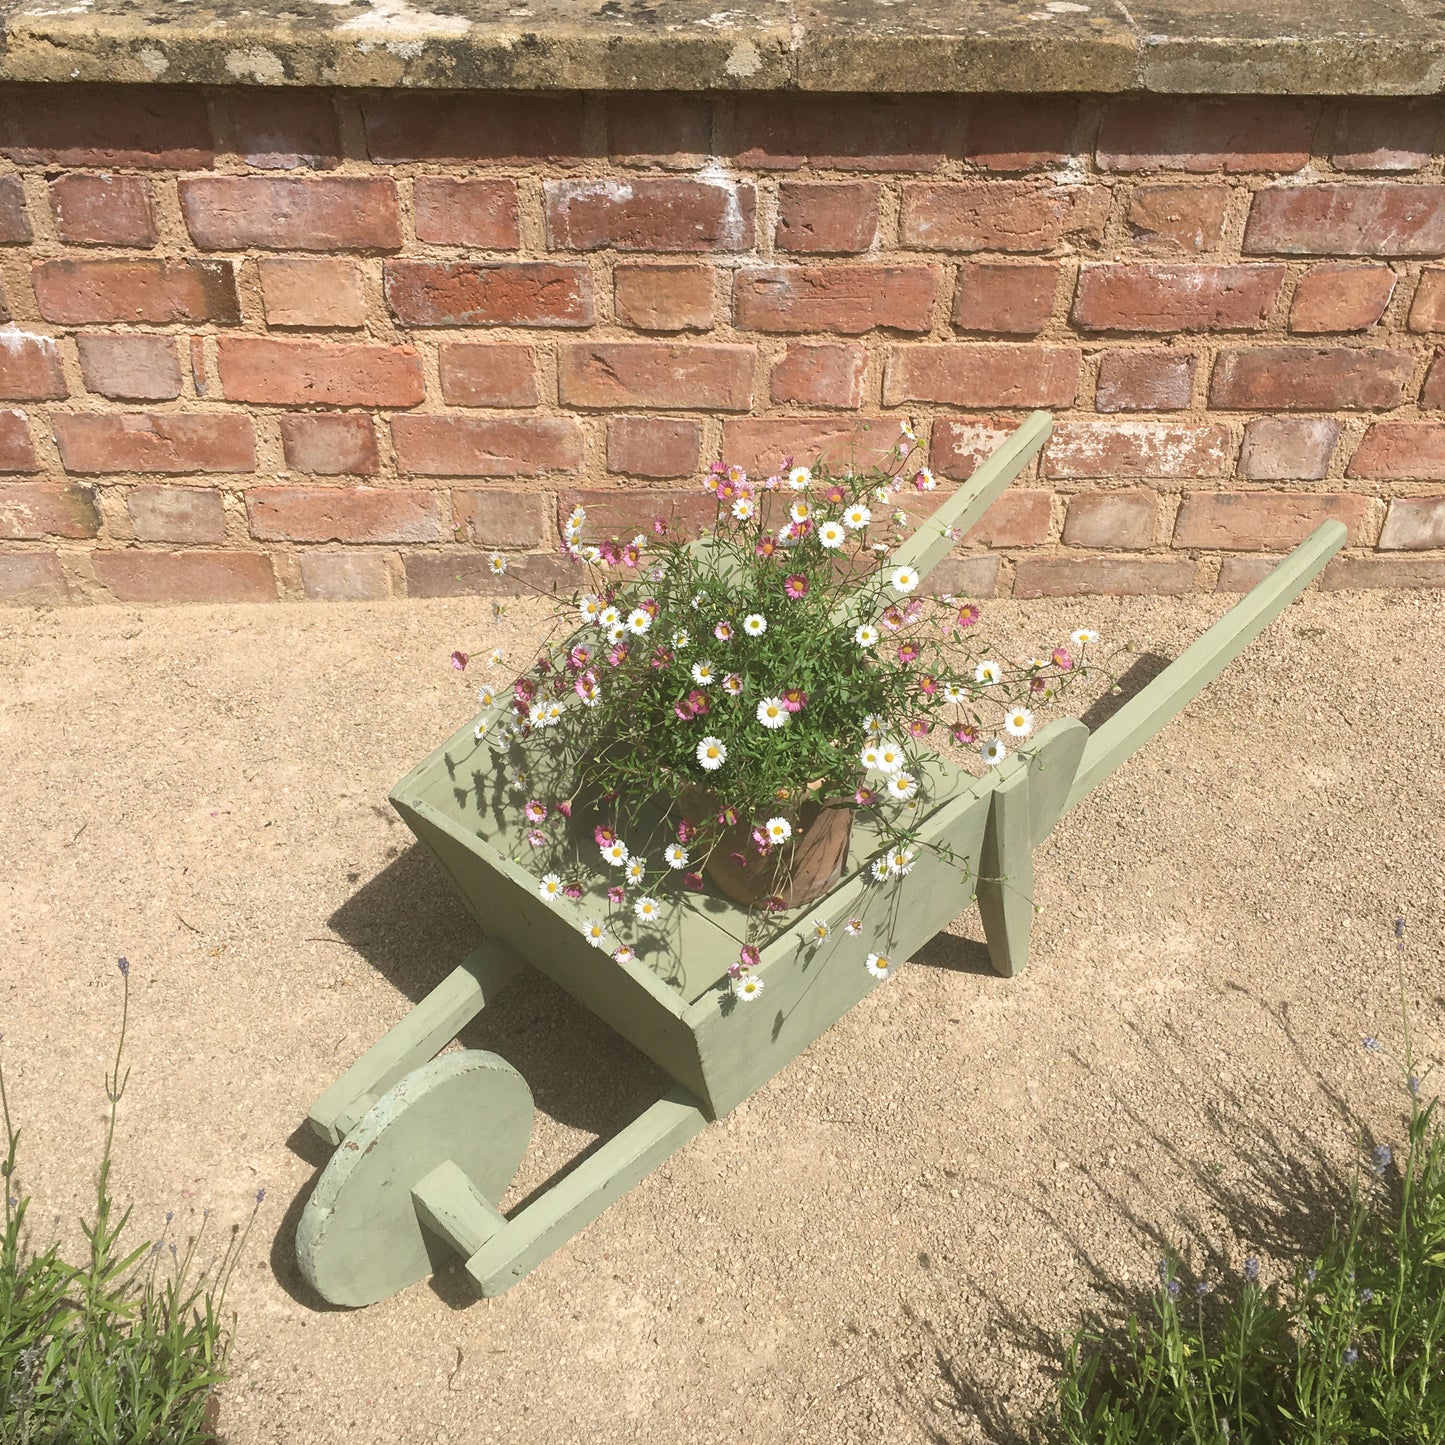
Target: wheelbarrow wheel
(361,1239)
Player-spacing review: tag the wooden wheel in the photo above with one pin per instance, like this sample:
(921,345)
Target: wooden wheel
(361,1237)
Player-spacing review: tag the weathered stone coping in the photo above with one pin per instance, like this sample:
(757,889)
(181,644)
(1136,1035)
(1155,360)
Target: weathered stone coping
(1278,47)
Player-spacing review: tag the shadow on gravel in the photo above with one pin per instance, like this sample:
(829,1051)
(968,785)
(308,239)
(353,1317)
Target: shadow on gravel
(1257,1184)
(1142,671)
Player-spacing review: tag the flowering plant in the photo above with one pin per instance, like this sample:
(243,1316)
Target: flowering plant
(703,702)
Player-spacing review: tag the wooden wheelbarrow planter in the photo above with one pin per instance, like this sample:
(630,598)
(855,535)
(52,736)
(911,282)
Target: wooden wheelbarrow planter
(428,1145)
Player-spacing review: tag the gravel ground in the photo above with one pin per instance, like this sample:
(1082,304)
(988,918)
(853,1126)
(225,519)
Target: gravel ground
(883,1243)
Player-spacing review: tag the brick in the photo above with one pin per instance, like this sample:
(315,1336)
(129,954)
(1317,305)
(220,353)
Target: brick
(129,367)
(346,514)
(1021,133)
(1153,379)
(1369,219)
(1414,523)
(103,210)
(176,514)
(1177,218)
(670,214)
(1340,297)
(32,579)
(516,521)
(827,219)
(456,573)
(1392,572)
(1432,394)
(462,293)
(824,373)
(31,510)
(1019,518)
(199,378)
(454,212)
(133,575)
(1112,521)
(14,220)
(1232,134)
(841,299)
(1138,449)
(670,132)
(1401,451)
(483,374)
(623,512)
(663,298)
(136,126)
(1002,215)
(152,292)
(465,446)
(957,447)
(344,576)
(313,293)
(972,576)
(472,127)
(30,367)
(868,133)
(1176,297)
(763,444)
(167,442)
(656,373)
(1240,574)
(316,373)
(1310,378)
(1103,577)
(330,446)
(981,374)
(286,213)
(1427,308)
(17,453)
(1009,298)
(277,129)
(1264,521)
(1385,134)
(1288,448)
(653,446)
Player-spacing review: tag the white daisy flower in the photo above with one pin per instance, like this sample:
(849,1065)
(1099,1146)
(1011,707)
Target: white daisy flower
(865,635)
(779,830)
(952,692)
(639,620)
(869,756)
(550,886)
(879,869)
(987,673)
(873,725)
(698,599)
(496,657)
(497,563)
(878,964)
(924,480)
(905,580)
(589,607)
(732,684)
(857,517)
(755,624)
(737,474)
(592,555)
(594,933)
(800,511)
(900,862)
(712,753)
(890,758)
(1083,637)
(609,617)
(821,928)
(680,639)
(552,713)
(676,855)
(702,674)
(615,852)
(624,953)
(799,478)
(1019,722)
(906,432)
(647,908)
(485,696)
(537,715)
(831,534)
(747,987)
(994,752)
(636,869)
(743,508)
(480,731)
(853,927)
(615,633)
(902,785)
(772,713)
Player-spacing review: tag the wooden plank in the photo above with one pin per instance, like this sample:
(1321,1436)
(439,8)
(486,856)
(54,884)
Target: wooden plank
(1006,872)
(451,1206)
(1176,687)
(1053,763)
(577,1199)
(421,1035)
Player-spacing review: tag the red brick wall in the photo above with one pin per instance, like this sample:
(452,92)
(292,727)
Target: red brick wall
(288,343)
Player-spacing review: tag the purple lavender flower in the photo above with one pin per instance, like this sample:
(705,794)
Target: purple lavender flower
(1351,1354)
(123,964)
(1251,1268)
(1372,1044)
(1383,1156)
(1367,1295)
(1173,1288)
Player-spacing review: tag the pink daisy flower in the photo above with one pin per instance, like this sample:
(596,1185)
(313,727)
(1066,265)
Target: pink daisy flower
(796,585)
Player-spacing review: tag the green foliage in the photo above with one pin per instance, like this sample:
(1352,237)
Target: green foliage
(123,1348)
(1352,1349)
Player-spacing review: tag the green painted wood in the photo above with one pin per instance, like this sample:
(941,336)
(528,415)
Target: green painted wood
(1006,870)
(422,1034)
(450,1205)
(579,1197)
(1118,739)
(1053,763)
(360,1238)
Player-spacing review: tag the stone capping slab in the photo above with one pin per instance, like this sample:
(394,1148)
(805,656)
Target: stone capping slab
(1271,47)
